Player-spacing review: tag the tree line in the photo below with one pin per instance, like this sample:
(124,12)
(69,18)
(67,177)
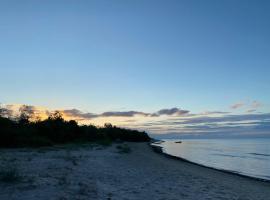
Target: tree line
(23,132)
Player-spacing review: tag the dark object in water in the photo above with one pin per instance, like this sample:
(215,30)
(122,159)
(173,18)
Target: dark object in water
(178,142)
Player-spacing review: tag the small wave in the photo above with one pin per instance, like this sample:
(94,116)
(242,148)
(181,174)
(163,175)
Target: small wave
(227,155)
(235,156)
(259,154)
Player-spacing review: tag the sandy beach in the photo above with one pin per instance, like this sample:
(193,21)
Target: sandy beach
(96,172)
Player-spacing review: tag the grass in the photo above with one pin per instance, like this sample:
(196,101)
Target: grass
(124,148)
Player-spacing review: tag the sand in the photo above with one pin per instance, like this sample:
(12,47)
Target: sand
(94,172)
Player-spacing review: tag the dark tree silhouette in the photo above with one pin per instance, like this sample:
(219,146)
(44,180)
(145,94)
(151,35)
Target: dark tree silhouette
(26,114)
(56,116)
(108,125)
(55,130)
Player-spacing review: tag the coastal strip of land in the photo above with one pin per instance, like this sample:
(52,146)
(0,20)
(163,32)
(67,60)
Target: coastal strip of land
(120,171)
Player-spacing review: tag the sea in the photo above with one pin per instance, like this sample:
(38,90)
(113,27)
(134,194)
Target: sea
(249,157)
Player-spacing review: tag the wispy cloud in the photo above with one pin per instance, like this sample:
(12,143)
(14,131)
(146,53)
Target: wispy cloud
(123,114)
(237,105)
(214,113)
(251,110)
(78,114)
(167,112)
(255,104)
(249,106)
(204,126)
(172,111)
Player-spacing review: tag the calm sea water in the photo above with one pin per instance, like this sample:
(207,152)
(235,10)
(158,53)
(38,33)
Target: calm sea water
(249,157)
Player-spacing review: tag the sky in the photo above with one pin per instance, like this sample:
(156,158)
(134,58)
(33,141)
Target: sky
(210,58)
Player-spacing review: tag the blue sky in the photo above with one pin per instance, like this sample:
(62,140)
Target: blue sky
(100,56)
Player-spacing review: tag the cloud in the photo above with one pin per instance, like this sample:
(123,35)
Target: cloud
(245,125)
(172,111)
(226,118)
(237,105)
(123,114)
(78,114)
(255,104)
(168,112)
(251,107)
(214,113)
(251,110)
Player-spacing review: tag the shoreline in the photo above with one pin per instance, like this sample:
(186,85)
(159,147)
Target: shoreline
(159,149)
